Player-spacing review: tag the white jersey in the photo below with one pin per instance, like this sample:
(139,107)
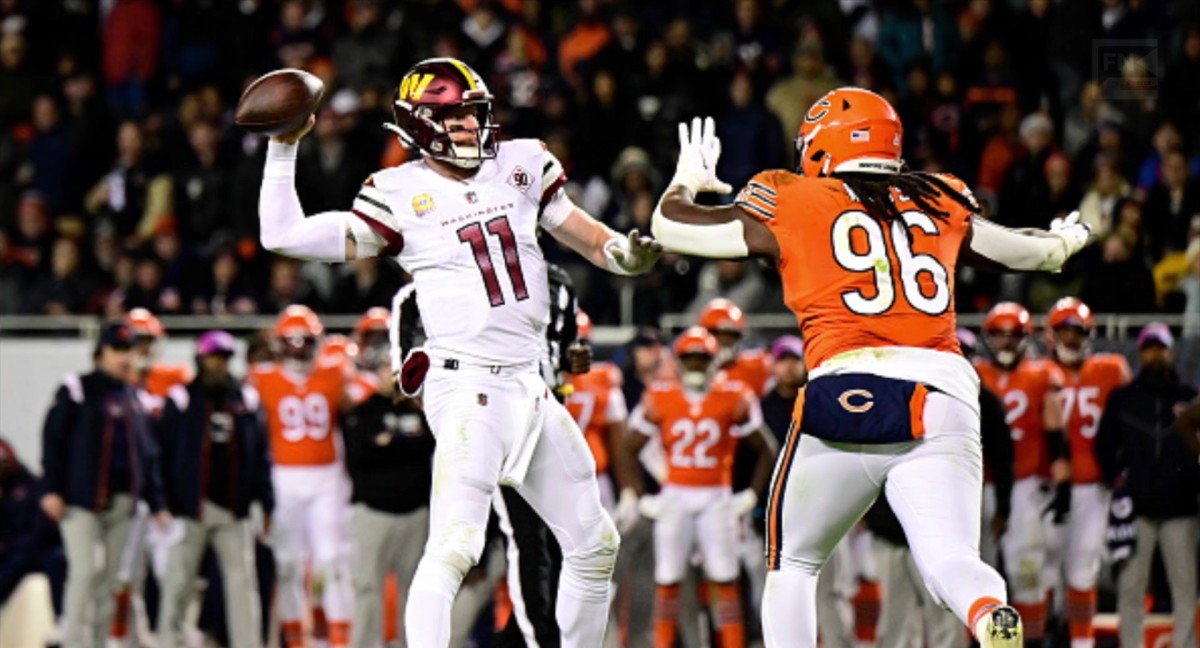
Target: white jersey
(471,247)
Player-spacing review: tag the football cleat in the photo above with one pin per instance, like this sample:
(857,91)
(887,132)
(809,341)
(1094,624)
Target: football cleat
(1001,629)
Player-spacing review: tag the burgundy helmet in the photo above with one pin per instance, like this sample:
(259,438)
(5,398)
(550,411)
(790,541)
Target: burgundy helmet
(426,93)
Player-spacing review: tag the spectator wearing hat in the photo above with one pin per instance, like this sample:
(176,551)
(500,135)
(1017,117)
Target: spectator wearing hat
(789,375)
(98,459)
(1137,446)
(215,464)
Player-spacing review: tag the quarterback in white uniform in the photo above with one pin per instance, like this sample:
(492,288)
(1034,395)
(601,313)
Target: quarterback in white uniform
(463,220)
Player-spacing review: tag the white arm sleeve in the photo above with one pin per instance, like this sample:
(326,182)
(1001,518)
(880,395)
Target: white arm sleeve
(1017,250)
(284,228)
(718,241)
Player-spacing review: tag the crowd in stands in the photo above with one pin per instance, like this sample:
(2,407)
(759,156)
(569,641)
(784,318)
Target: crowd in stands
(124,182)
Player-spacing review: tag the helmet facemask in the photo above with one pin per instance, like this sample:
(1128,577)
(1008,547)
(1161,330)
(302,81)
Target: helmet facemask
(423,127)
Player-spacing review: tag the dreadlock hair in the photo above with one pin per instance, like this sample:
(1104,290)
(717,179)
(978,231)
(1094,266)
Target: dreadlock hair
(874,191)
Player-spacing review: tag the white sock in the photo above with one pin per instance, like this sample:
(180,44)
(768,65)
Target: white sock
(789,609)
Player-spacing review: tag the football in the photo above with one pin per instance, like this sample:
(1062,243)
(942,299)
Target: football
(279,101)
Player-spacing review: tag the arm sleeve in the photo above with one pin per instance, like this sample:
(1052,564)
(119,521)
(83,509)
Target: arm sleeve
(1017,249)
(54,441)
(284,228)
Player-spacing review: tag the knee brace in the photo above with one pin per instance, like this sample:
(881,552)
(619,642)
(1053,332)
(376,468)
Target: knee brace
(588,569)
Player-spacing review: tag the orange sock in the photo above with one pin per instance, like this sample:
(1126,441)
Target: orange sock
(867,602)
(293,634)
(119,628)
(982,606)
(1033,618)
(339,633)
(1081,609)
(731,624)
(391,600)
(666,616)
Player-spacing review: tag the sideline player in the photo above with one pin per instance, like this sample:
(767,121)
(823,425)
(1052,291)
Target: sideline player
(1089,379)
(867,251)
(700,423)
(303,394)
(1031,391)
(462,219)
(598,406)
(727,322)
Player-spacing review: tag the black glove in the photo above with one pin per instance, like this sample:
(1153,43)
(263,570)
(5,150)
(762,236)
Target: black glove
(1060,503)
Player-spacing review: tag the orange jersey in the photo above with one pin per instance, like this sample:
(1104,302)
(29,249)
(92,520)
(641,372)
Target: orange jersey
(596,403)
(302,411)
(699,434)
(1024,391)
(363,385)
(752,368)
(852,281)
(158,380)
(1085,394)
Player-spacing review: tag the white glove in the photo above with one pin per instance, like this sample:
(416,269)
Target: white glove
(650,506)
(744,501)
(626,515)
(631,256)
(699,151)
(1075,235)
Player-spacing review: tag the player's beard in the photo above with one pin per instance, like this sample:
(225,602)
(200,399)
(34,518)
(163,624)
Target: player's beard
(1068,356)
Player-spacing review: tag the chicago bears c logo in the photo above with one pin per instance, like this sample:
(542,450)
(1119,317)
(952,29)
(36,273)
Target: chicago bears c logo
(863,400)
(818,110)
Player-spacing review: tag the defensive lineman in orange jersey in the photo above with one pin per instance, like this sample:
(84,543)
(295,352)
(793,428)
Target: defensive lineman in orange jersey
(1089,378)
(598,405)
(867,253)
(1041,495)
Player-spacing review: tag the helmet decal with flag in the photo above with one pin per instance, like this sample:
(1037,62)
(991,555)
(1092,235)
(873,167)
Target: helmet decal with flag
(849,130)
(427,94)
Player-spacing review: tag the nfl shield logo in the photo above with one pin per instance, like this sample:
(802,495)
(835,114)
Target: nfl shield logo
(482,400)
(472,197)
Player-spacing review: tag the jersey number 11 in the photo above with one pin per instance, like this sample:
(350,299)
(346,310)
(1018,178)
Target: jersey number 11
(498,227)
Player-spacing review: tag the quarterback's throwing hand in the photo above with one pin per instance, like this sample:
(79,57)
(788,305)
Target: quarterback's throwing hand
(633,255)
(699,150)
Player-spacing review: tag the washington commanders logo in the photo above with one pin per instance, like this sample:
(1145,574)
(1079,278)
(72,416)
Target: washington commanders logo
(423,204)
(520,179)
(856,401)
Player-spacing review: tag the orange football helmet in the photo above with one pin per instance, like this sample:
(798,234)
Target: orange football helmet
(143,323)
(374,320)
(1007,329)
(849,130)
(298,320)
(338,347)
(722,315)
(583,326)
(696,340)
(1074,347)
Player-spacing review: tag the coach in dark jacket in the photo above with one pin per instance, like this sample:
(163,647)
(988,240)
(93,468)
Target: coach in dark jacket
(1137,442)
(98,459)
(215,464)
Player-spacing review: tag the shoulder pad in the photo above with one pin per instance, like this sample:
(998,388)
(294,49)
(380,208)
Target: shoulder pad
(74,386)
(180,396)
